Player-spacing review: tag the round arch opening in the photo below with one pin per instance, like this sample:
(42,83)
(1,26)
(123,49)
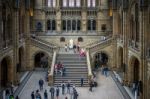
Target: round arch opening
(135,69)
(20,65)
(41,60)
(120,59)
(101,59)
(5,70)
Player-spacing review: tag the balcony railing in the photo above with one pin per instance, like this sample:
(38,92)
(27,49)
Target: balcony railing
(134,45)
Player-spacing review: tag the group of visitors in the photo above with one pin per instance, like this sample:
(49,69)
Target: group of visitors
(92,83)
(75,47)
(64,89)
(60,68)
(136,87)
(104,70)
(9,92)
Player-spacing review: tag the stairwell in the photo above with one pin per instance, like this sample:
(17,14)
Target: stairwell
(76,68)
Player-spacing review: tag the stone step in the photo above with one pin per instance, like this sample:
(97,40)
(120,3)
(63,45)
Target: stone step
(76,70)
(77,64)
(76,84)
(75,67)
(72,75)
(71,61)
(70,58)
(68,55)
(67,77)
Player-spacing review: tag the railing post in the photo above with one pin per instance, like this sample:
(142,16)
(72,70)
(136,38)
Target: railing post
(88,64)
(51,70)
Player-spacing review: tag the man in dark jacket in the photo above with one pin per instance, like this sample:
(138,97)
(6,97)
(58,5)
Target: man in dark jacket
(52,91)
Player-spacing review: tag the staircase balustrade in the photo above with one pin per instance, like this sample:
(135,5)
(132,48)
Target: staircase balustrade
(51,70)
(88,65)
(99,45)
(43,45)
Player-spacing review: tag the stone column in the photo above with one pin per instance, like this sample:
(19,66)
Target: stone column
(84,17)
(15,44)
(125,45)
(58,17)
(27,43)
(115,32)
(143,48)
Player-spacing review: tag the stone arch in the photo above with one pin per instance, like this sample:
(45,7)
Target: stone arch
(41,59)
(134,65)
(101,58)
(6,70)
(120,58)
(21,64)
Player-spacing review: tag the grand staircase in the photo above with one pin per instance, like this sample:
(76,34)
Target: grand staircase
(75,69)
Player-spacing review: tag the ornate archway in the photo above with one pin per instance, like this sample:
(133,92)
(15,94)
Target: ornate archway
(120,59)
(20,66)
(6,71)
(135,69)
(41,60)
(101,58)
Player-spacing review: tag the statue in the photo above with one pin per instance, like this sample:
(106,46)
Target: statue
(71,43)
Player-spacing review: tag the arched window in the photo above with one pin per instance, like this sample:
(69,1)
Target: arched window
(89,25)
(91,3)
(74,25)
(39,26)
(93,25)
(137,22)
(64,24)
(71,3)
(51,3)
(78,3)
(62,39)
(80,39)
(53,25)
(78,25)
(69,25)
(65,3)
(48,25)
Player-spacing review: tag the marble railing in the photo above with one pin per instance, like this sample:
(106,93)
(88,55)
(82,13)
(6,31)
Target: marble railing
(43,45)
(89,65)
(51,70)
(100,45)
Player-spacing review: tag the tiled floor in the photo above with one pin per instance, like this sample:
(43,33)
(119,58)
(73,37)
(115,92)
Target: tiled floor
(106,88)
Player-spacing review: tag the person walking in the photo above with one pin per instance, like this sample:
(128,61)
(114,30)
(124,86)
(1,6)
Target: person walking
(68,87)
(52,91)
(45,95)
(32,95)
(81,81)
(37,95)
(57,92)
(41,83)
(63,88)
(11,96)
(17,97)
(91,85)
(75,96)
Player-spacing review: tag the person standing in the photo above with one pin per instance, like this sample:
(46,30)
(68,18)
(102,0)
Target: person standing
(66,47)
(41,82)
(32,95)
(52,91)
(68,87)
(45,95)
(75,96)
(17,97)
(63,88)
(81,81)
(57,92)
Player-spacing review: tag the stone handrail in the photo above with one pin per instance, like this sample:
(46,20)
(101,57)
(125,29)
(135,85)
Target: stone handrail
(97,42)
(39,39)
(51,71)
(100,45)
(42,45)
(88,65)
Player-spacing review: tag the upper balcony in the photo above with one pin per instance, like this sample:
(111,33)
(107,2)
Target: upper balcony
(133,45)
